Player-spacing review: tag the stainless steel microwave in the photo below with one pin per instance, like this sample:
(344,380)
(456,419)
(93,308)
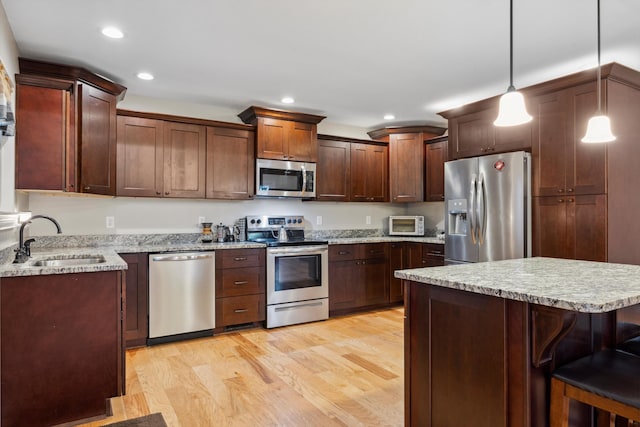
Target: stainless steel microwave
(281,178)
(406,225)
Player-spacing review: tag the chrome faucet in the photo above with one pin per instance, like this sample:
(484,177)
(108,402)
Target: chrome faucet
(24,249)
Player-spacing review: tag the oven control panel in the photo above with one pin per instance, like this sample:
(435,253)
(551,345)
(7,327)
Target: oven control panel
(267,222)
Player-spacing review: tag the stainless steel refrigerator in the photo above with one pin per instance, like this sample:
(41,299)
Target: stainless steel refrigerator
(488,208)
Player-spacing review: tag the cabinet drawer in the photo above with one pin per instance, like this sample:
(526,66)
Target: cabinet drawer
(343,252)
(238,310)
(236,258)
(434,249)
(241,281)
(374,250)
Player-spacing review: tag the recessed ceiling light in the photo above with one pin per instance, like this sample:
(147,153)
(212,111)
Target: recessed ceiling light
(112,32)
(389,117)
(287,100)
(145,76)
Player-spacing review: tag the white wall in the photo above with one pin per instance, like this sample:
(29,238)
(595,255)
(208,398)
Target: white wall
(9,57)
(87,215)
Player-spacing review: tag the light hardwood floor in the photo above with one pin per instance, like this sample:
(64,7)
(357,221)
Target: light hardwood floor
(346,371)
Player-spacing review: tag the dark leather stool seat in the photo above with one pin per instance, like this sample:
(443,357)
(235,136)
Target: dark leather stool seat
(631,346)
(608,380)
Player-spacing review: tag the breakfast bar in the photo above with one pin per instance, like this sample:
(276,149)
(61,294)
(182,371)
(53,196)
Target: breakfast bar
(481,340)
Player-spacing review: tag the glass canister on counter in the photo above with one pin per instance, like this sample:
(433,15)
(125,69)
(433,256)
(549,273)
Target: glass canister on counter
(207,235)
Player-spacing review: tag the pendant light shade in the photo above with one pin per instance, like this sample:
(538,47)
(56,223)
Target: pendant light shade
(512,110)
(599,126)
(599,130)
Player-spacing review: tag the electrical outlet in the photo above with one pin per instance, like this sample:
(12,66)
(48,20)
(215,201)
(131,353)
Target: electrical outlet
(319,220)
(110,222)
(200,220)
(367,219)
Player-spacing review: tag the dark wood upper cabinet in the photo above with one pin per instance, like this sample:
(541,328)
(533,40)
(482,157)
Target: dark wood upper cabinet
(140,157)
(406,167)
(369,172)
(184,160)
(406,160)
(66,129)
(472,133)
(435,157)
(98,141)
(333,170)
(160,159)
(230,163)
(283,135)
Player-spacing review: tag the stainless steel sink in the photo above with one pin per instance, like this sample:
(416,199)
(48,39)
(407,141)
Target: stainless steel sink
(68,261)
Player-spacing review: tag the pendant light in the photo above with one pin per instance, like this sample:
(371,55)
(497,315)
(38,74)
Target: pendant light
(599,126)
(512,110)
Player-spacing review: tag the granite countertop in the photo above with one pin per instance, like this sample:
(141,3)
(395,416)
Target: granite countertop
(583,286)
(109,246)
(378,239)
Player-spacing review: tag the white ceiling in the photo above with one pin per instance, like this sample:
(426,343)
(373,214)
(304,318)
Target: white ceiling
(351,60)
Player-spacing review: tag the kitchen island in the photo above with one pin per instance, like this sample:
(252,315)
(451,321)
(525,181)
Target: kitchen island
(481,340)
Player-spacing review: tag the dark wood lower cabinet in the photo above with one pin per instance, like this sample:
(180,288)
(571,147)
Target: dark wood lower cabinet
(358,276)
(62,347)
(485,361)
(137,302)
(404,255)
(240,287)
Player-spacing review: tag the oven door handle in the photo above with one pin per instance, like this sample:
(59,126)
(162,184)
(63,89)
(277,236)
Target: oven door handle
(296,250)
(293,307)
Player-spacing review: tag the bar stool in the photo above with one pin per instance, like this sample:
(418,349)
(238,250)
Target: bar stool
(631,346)
(608,380)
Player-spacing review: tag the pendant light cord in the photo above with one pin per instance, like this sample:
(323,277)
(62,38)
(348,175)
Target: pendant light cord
(599,72)
(511,87)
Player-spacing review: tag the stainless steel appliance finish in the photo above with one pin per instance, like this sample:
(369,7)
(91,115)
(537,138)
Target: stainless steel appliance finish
(297,270)
(181,295)
(297,284)
(488,208)
(280,178)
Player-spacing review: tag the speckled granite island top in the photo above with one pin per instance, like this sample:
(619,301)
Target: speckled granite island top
(582,286)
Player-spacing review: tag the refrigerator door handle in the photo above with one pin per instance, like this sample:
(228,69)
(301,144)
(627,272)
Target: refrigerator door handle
(481,223)
(472,209)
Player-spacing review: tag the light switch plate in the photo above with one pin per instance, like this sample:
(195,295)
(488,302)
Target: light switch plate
(368,219)
(110,222)
(319,220)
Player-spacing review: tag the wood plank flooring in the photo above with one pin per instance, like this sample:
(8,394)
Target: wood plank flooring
(346,371)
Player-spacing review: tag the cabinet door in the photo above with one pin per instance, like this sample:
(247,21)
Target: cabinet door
(512,138)
(396,262)
(406,167)
(45,142)
(359,173)
(333,171)
(302,142)
(137,301)
(184,160)
(435,156)
(550,156)
(344,285)
(230,164)
(375,277)
(551,236)
(97,141)
(139,157)
(588,225)
(376,173)
(272,139)
(472,134)
(413,255)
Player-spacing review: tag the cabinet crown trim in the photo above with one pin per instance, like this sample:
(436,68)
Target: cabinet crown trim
(251,114)
(42,68)
(182,119)
(392,130)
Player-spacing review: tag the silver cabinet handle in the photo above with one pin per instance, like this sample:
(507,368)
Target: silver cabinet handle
(241,310)
(240,259)
(240,282)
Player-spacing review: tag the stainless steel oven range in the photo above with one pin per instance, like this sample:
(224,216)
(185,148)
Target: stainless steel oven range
(297,270)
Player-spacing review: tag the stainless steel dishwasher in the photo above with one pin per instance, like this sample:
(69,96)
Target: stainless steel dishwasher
(181,296)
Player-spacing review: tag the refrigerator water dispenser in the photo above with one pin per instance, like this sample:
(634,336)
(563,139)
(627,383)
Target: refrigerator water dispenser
(457,217)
